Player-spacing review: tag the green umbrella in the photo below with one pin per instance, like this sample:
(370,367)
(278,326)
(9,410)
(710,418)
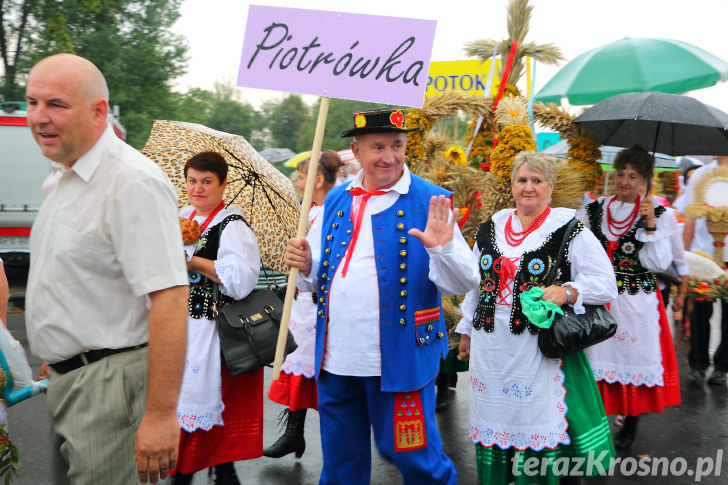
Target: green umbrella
(634,65)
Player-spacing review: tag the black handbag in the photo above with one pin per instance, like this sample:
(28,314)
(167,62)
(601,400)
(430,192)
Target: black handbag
(248,330)
(570,333)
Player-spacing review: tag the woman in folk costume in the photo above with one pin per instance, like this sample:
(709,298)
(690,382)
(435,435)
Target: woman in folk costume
(636,369)
(524,405)
(221,416)
(296,386)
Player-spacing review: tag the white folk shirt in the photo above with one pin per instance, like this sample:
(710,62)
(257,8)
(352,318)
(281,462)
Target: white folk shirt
(352,339)
(106,235)
(676,244)
(302,323)
(237,265)
(633,356)
(702,239)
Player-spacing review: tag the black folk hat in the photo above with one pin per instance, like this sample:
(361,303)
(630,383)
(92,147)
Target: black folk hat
(389,120)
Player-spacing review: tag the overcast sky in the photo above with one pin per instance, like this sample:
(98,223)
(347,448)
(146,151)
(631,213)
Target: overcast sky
(215,31)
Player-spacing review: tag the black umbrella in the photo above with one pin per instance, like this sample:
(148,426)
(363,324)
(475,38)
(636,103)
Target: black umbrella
(561,149)
(660,122)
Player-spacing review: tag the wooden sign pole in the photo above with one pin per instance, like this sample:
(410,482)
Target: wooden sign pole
(302,228)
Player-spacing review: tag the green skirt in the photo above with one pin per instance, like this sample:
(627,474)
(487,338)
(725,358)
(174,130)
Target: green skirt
(591,449)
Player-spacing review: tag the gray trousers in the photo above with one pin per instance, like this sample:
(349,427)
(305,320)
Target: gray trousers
(95,412)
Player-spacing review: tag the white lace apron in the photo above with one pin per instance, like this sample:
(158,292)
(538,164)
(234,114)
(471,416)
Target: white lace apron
(516,394)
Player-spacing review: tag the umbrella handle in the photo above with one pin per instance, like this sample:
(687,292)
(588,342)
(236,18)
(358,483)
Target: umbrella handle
(302,226)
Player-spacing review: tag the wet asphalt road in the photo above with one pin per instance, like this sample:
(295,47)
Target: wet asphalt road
(697,431)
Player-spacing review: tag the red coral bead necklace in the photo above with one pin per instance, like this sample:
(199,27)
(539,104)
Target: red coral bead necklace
(516,238)
(209,218)
(616,227)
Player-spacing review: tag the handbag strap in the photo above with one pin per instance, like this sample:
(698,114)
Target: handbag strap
(562,250)
(269,277)
(215,294)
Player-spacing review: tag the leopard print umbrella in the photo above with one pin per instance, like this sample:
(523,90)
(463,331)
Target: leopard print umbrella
(266,196)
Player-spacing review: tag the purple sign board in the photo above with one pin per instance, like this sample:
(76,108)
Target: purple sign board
(336,54)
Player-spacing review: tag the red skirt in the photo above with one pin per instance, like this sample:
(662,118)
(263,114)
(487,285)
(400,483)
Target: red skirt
(240,438)
(631,400)
(296,392)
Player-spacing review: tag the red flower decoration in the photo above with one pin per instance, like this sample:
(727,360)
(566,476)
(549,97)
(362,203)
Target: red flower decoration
(625,264)
(397,118)
(488,284)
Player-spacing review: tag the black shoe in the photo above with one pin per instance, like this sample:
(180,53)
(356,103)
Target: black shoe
(453,380)
(225,474)
(696,377)
(717,378)
(292,439)
(182,479)
(625,437)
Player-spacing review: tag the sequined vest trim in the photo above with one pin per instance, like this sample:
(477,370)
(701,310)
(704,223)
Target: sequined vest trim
(631,275)
(200,303)
(533,270)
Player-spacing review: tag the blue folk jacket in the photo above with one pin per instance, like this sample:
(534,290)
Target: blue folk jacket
(413,336)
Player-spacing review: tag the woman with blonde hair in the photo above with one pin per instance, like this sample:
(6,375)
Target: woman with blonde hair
(525,406)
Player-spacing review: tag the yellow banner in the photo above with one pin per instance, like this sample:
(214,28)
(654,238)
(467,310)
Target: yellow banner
(467,76)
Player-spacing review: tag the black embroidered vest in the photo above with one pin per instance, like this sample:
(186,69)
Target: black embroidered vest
(200,303)
(631,275)
(533,270)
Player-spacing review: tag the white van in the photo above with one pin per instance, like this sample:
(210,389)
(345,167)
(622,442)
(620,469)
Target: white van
(22,171)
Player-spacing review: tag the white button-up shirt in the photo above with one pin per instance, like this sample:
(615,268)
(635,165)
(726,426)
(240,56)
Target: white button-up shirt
(353,328)
(106,235)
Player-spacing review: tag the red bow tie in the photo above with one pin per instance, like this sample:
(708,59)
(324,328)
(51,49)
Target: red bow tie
(365,196)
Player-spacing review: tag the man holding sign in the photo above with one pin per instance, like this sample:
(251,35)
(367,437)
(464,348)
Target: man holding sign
(380,331)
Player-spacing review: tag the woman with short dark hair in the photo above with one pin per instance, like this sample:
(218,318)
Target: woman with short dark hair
(636,369)
(221,416)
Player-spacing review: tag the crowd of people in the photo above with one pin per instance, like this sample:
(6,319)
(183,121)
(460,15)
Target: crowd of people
(144,370)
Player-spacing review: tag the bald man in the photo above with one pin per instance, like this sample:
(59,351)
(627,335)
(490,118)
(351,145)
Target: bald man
(107,289)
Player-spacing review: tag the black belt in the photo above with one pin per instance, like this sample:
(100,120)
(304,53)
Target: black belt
(85,358)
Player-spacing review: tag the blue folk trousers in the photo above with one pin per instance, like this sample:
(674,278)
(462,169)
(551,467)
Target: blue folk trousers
(349,409)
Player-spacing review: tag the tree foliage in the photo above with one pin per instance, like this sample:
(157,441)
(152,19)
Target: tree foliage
(286,118)
(339,118)
(18,26)
(132,43)
(129,40)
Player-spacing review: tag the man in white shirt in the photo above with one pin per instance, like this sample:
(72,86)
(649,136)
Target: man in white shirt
(380,332)
(697,237)
(107,276)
